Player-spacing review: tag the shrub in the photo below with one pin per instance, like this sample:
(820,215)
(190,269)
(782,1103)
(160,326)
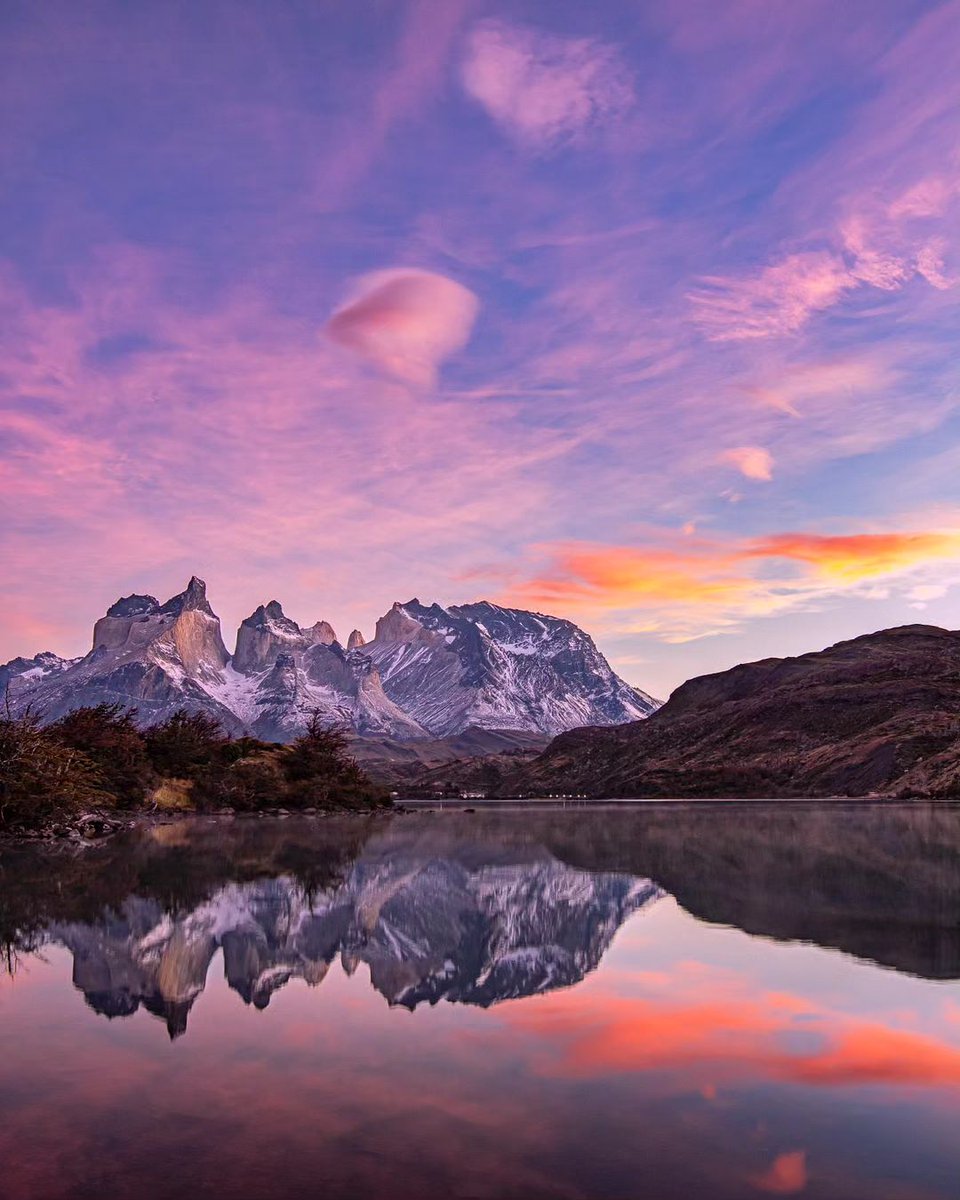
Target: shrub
(247,785)
(186,745)
(319,770)
(109,737)
(40,777)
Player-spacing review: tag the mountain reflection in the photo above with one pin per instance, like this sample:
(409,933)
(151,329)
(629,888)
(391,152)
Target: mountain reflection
(431,919)
(472,909)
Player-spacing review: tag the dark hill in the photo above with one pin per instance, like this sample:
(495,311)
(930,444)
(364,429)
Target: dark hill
(876,715)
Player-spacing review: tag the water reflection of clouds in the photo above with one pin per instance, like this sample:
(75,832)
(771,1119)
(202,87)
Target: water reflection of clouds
(719,1026)
(691,1076)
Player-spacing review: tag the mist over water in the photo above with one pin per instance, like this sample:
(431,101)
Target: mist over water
(669,1001)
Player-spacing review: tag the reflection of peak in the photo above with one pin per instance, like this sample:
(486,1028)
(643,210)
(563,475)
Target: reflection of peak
(463,925)
(497,932)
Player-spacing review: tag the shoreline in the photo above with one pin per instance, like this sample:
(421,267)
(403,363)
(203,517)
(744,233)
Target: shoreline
(94,828)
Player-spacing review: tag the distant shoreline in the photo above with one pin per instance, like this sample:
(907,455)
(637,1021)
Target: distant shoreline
(559,802)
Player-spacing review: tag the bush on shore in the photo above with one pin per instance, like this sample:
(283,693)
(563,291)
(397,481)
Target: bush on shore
(108,736)
(98,757)
(41,777)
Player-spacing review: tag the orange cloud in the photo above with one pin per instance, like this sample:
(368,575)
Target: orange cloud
(730,1038)
(405,322)
(697,579)
(856,557)
(787,1175)
(752,461)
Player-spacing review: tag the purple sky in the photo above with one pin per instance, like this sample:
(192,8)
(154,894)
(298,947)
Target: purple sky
(641,313)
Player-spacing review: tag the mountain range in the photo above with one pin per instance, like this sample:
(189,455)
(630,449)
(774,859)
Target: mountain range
(428,673)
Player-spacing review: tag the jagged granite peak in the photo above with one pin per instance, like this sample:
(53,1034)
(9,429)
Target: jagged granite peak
(322,633)
(134,606)
(398,625)
(267,633)
(264,635)
(429,671)
(498,668)
(192,598)
(145,656)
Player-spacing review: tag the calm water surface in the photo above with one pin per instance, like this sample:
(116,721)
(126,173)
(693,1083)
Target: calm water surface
(680,1001)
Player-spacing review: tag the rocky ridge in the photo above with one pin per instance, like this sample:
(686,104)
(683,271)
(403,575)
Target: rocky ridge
(428,673)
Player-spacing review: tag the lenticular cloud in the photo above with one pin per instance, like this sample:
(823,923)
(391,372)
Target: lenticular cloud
(405,322)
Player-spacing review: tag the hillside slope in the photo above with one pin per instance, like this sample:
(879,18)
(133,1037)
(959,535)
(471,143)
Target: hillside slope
(879,714)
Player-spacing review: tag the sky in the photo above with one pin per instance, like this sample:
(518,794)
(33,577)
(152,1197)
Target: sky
(642,313)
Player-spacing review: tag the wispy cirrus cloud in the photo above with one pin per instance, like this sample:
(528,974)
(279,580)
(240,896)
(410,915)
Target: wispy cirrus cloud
(775,301)
(882,244)
(544,90)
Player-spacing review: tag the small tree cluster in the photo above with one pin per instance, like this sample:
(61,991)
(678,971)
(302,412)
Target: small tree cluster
(318,769)
(98,756)
(109,737)
(41,777)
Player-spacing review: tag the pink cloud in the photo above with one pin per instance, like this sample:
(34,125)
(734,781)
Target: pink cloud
(544,90)
(873,262)
(889,244)
(927,198)
(776,301)
(930,264)
(405,322)
(752,461)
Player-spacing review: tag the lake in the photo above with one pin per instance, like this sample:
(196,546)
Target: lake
(711,1000)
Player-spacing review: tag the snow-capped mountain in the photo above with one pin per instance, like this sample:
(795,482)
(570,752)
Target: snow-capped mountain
(428,672)
(29,672)
(152,656)
(280,674)
(498,668)
(430,923)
